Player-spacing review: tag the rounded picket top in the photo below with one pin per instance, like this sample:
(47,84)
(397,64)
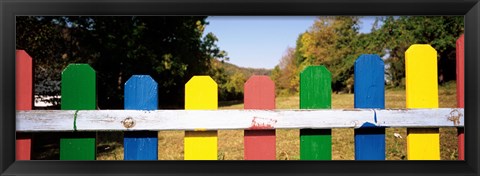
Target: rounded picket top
(423,47)
(366,58)
(369,82)
(259,93)
(137,78)
(78,87)
(141,93)
(314,69)
(23,56)
(315,88)
(201,93)
(23,80)
(79,68)
(424,52)
(421,78)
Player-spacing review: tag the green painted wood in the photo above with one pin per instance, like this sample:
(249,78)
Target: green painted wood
(78,87)
(78,146)
(78,93)
(315,93)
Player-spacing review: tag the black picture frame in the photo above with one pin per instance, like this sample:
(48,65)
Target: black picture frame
(11,8)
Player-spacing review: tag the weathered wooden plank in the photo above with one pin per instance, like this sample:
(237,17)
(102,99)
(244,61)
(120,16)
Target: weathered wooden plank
(369,93)
(422,92)
(460,51)
(315,93)
(201,93)
(78,93)
(24,100)
(132,120)
(259,93)
(141,93)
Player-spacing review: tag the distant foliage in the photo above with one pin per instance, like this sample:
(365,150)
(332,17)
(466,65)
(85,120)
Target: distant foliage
(231,78)
(170,49)
(336,43)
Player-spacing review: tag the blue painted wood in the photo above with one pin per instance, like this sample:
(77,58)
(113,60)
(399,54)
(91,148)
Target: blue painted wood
(141,94)
(369,90)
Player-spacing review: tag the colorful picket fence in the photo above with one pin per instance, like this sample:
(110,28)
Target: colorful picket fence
(141,120)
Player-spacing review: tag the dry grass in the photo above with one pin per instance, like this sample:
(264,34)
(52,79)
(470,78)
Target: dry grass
(230,142)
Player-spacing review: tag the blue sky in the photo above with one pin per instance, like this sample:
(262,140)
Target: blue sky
(261,41)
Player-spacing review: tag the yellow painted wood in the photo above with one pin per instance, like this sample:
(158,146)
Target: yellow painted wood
(423,144)
(422,92)
(201,94)
(421,76)
(200,145)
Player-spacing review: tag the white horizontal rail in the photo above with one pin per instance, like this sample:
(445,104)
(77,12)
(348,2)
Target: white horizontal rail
(130,120)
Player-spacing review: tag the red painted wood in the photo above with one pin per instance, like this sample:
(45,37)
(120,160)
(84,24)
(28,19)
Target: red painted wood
(460,72)
(461,92)
(23,81)
(24,99)
(461,144)
(23,146)
(259,93)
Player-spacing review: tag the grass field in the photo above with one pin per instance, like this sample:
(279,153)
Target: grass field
(230,142)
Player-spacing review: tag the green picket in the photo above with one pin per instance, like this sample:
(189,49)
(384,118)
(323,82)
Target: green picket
(315,93)
(78,93)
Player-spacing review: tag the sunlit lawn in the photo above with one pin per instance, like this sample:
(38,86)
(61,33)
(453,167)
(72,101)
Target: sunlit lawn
(230,142)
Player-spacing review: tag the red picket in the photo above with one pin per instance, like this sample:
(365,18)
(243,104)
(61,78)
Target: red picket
(24,96)
(461,92)
(259,93)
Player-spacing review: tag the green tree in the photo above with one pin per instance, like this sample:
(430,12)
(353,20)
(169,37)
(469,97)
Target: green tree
(330,42)
(397,34)
(170,49)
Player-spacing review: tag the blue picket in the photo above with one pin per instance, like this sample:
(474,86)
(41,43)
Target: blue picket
(369,93)
(141,94)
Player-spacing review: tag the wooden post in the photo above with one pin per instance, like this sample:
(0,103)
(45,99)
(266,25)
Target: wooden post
(315,93)
(460,92)
(201,93)
(141,93)
(78,93)
(24,100)
(422,92)
(259,93)
(369,93)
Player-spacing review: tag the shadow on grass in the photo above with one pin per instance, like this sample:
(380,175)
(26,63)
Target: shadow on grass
(46,145)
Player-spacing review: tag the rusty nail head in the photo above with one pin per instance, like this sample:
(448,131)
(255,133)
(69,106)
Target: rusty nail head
(128,122)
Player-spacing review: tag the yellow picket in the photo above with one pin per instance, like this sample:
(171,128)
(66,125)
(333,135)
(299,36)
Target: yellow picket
(422,92)
(201,94)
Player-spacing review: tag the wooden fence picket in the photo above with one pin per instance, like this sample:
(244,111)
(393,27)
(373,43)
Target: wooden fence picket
(422,92)
(201,93)
(315,93)
(369,87)
(78,93)
(141,93)
(24,100)
(460,92)
(259,93)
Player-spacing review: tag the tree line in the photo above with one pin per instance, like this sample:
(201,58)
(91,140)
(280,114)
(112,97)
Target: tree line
(335,41)
(170,49)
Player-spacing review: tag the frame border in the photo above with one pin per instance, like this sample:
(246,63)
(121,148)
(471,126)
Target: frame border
(11,8)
